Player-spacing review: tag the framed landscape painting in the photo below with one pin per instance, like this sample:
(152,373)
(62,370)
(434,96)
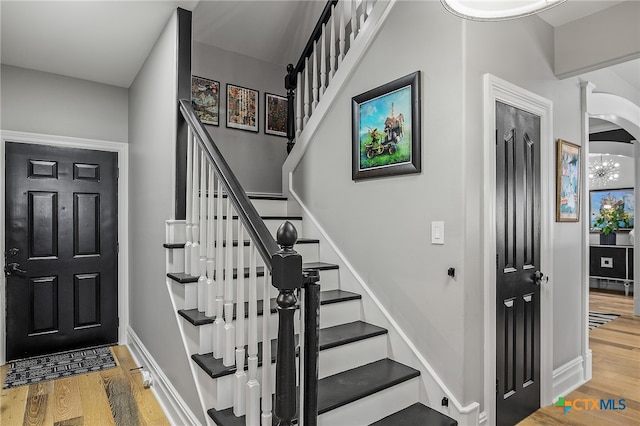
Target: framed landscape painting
(568,182)
(276,110)
(205,98)
(242,108)
(386,129)
(611,197)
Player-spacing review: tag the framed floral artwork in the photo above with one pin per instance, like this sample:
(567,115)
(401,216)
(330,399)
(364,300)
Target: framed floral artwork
(205,98)
(275,120)
(242,108)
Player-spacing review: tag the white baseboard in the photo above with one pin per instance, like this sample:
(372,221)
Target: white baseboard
(568,377)
(175,408)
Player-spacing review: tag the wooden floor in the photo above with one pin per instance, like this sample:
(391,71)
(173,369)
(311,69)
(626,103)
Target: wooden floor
(616,369)
(109,397)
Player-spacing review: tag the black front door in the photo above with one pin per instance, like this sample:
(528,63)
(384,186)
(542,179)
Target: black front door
(518,263)
(60,249)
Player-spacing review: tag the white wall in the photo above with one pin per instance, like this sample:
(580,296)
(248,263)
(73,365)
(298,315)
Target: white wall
(383,226)
(39,102)
(255,158)
(152,135)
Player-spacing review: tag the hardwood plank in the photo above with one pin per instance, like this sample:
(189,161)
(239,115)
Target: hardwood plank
(66,399)
(12,403)
(93,398)
(120,395)
(616,370)
(38,409)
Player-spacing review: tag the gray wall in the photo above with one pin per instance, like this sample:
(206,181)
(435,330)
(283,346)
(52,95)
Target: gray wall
(40,102)
(443,317)
(152,130)
(255,158)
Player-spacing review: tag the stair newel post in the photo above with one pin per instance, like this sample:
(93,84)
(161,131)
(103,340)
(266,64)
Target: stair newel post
(204,198)
(290,84)
(253,386)
(189,225)
(332,44)
(240,384)
(218,325)
(211,246)
(267,403)
(287,278)
(229,330)
(195,212)
(311,347)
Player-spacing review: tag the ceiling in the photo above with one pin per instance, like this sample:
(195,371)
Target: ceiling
(117,35)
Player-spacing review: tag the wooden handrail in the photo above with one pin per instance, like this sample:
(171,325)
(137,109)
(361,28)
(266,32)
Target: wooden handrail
(265,243)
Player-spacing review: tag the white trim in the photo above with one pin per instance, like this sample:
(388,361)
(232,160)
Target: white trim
(497,89)
(466,415)
(175,408)
(568,377)
(122,149)
(354,56)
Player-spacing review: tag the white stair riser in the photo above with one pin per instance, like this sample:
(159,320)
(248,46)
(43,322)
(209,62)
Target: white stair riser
(352,355)
(272,226)
(374,407)
(346,356)
(175,260)
(185,296)
(330,315)
(270,207)
(329,280)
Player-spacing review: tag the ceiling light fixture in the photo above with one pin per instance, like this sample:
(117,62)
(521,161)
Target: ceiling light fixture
(602,171)
(497,10)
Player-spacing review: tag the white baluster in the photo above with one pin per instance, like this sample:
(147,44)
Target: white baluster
(266,352)
(342,38)
(332,44)
(354,21)
(315,77)
(306,92)
(229,330)
(195,212)
(363,17)
(189,225)
(202,281)
(218,324)
(211,247)
(253,387)
(299,96)
(240,383)
(323,61)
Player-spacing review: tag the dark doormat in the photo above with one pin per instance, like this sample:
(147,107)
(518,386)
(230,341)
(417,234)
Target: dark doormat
(64,364)
(596,319)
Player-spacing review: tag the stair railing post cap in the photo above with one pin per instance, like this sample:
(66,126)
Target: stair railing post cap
(286,264)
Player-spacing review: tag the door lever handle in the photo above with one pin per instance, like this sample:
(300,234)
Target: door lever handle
(13,269)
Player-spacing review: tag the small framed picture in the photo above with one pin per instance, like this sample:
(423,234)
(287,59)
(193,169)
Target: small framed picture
(205,98)
(242,108)
(386,129)
(275,112)
(568,182)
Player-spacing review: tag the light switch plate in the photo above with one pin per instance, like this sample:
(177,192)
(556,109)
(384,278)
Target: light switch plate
(437,232)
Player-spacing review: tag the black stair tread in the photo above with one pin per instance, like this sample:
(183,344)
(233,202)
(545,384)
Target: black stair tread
(327,297)
(342,388)
(329,337)
(244,243)
(416,415)
(183,278)
(275,197)
(268,217)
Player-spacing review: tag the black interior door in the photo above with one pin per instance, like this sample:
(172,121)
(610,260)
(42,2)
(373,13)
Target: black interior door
(518,264)
(61,249)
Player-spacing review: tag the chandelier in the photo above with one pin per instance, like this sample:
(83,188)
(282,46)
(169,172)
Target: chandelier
(497,10)
(603,171)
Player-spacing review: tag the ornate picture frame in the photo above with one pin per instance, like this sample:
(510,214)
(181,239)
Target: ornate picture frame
(386,135)
(568,185)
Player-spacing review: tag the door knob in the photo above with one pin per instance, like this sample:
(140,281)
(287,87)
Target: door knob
(13,269)
(539,278)
(11,252)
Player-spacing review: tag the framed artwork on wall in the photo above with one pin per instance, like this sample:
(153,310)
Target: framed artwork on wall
(275,114)
(205,98)
(386,129)
(612,198)
(242,108)
(568,182)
